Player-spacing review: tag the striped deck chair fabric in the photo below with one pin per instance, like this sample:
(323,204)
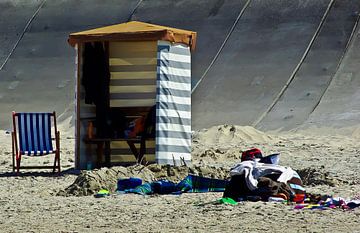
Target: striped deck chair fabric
(32,136)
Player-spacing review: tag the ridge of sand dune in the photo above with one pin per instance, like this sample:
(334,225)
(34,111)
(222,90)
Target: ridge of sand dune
(231,133)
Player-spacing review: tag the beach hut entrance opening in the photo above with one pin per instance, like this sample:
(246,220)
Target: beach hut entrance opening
(133,95)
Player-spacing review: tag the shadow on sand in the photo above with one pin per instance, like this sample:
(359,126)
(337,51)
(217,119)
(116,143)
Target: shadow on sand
(70,171)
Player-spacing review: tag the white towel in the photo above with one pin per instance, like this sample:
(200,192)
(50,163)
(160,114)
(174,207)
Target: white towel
(253,170)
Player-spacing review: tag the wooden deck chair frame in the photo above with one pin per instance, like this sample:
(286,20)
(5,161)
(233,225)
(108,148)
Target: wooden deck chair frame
(33,137)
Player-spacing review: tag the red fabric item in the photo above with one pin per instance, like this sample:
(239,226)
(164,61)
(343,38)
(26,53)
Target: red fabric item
(251,154)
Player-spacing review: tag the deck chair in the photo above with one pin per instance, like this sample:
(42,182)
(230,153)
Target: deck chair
(32,136)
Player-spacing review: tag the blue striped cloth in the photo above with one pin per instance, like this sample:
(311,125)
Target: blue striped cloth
(35,133)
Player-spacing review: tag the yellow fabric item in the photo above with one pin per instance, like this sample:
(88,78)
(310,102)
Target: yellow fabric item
(134,31)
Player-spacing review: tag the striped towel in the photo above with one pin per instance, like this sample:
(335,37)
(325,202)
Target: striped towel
(198,184)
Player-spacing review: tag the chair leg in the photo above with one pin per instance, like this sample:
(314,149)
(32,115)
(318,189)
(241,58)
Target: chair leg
(58,163)
(57,154)
(55,163)
(18,161)
(59,168)
(13,150)
(13,161)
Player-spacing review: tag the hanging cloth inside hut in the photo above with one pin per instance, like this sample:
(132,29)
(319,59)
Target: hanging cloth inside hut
(96,79)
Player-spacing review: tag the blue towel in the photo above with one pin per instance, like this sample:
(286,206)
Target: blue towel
(129,183)
(164,187)
(144,189)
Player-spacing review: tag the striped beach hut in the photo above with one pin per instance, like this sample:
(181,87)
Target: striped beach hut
(132,68)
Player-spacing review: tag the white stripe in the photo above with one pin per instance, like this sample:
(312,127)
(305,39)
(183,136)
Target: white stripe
(38,152)
(180,46)
(173,99)
(176,45)
(179,57)
(41,131)
(23,131)
(173,127)
(46,126)
(174,141)
(173,113)
(169,155)
(164,56)
(175,86)
(174,71)
(174,57)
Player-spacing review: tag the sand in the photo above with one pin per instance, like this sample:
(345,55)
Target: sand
(43,202)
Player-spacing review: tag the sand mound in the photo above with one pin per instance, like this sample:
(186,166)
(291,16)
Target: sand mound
(316,176)
(90,182)
(230,134)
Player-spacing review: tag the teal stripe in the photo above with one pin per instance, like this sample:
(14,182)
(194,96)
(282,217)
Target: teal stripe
(22,130)
(46,127)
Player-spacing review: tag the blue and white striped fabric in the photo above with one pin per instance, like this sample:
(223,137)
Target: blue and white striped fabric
(35,133)
(173,104)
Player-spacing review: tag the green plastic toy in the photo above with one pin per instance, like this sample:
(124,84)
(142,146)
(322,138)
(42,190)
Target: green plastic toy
(102,193)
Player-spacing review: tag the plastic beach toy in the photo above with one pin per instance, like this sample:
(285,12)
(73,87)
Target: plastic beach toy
(102,193)
(227,200)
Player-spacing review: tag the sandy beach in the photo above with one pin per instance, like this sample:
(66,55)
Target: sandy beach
(43,202)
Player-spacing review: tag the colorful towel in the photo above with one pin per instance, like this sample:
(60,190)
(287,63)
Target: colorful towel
(329,203)
(198,184)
